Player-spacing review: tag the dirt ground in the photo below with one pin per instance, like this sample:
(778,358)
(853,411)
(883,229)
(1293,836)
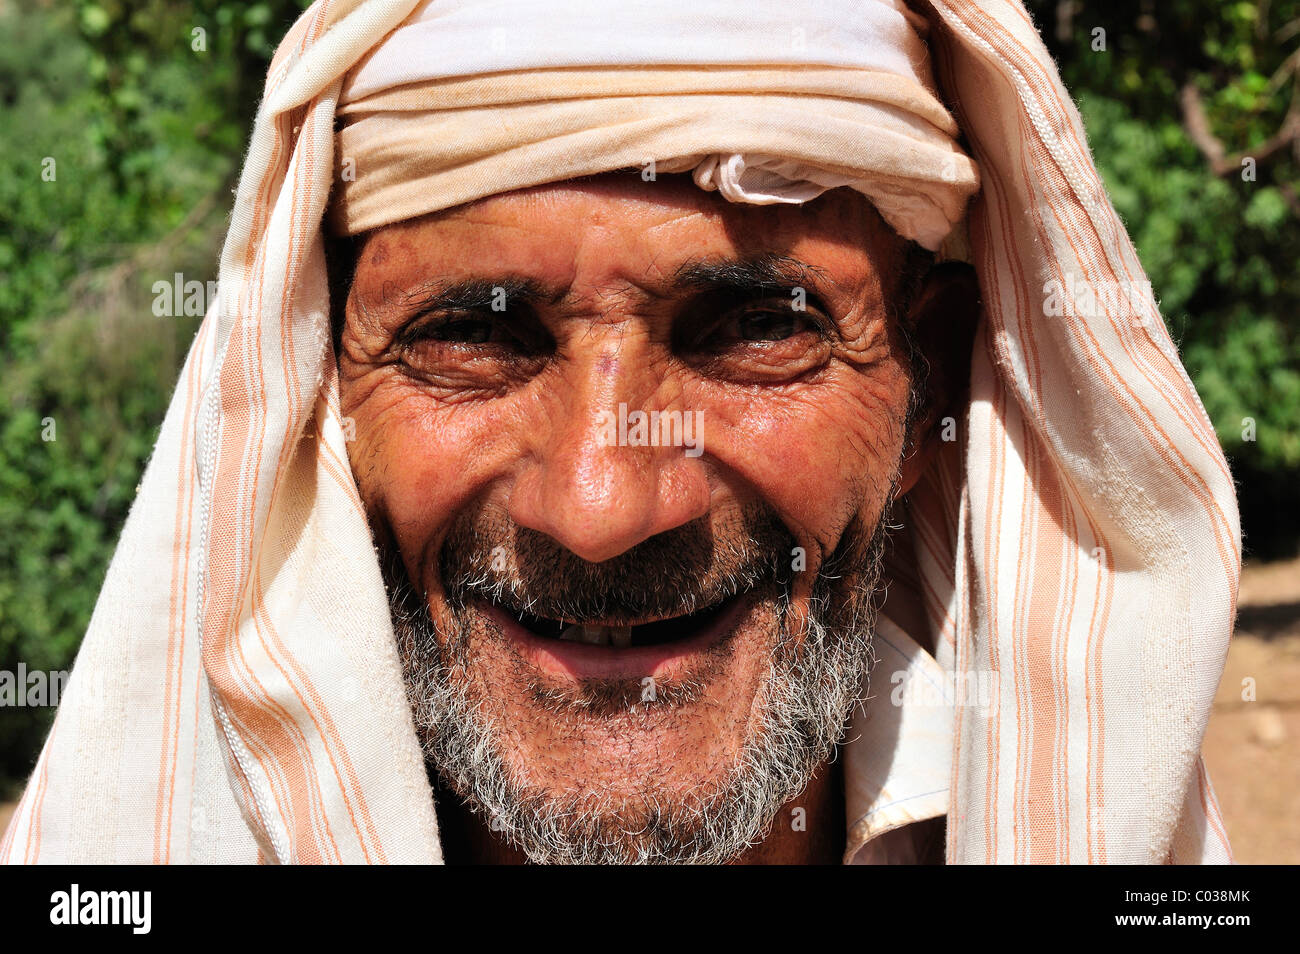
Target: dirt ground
(1252,746)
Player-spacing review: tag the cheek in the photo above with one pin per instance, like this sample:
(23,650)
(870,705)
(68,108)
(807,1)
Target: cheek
(817,452)
(419,462)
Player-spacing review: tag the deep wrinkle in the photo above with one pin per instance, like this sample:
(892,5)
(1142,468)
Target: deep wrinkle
(809,416)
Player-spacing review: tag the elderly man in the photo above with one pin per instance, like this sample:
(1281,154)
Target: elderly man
(655,432)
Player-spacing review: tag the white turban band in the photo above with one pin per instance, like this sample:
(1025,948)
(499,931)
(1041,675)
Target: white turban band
(766,102)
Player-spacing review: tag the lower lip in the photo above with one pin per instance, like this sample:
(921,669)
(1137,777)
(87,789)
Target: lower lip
(581,661)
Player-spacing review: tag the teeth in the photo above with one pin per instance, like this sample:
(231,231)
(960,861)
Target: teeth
(591,635)
(617,636)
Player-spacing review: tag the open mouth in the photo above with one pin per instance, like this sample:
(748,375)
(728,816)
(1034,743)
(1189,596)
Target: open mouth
(625,636)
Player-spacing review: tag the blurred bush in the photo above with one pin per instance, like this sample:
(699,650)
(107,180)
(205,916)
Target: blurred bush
(146,131)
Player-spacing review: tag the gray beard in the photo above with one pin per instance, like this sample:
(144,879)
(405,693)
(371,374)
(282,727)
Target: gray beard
(804,702)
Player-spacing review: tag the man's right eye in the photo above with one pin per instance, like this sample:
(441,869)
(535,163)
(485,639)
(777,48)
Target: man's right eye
(462,331)
(468,351)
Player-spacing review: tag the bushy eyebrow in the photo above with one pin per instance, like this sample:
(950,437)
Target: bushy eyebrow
(475,294)
(762,274)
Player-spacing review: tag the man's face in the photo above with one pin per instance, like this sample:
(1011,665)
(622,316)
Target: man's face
(629,637)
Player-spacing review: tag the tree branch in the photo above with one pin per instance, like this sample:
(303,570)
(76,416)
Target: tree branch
(1197,125)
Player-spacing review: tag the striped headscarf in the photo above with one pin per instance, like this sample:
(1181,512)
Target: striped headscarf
(1074,555)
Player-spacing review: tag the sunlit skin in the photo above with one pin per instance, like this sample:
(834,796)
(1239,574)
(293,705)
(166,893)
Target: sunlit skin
(804,410)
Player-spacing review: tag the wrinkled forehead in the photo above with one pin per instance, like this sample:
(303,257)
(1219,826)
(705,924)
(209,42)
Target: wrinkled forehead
(614,228)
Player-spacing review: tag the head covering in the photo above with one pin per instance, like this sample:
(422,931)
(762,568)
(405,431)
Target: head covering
(435,116)
(1074,556)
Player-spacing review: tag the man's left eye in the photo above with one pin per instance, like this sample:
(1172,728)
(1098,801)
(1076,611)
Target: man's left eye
(770,325)
(761,323)
(465,330)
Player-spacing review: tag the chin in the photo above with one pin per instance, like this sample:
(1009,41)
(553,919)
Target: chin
(662,716)
(641,722)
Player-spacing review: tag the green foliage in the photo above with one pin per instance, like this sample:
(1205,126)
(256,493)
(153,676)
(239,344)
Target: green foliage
(145,134)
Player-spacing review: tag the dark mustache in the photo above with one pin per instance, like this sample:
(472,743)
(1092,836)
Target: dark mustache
(680,571)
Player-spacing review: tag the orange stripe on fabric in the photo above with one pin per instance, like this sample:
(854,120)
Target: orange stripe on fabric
(176,615)
(328,732)
(1024,68)
(241,409)
(1215,513)
(1047,89)
(32,849)
(287,743)
(1209,807)
(1201,489)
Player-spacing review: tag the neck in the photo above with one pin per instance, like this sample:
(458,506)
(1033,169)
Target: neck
(808,830)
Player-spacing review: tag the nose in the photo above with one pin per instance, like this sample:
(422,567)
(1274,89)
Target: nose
(593,485)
